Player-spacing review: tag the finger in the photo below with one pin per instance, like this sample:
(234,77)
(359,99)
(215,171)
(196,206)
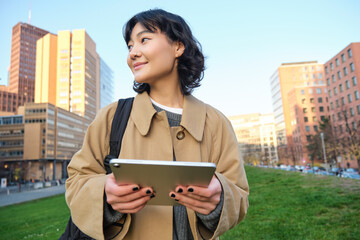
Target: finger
(111,187)
(201,210)
(180,189)
(209,191)
(112,199)
(131,207)
(203,207)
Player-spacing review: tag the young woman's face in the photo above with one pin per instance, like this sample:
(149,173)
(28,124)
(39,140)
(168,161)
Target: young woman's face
(152,56)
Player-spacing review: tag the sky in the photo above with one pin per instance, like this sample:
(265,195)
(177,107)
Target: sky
(244,41)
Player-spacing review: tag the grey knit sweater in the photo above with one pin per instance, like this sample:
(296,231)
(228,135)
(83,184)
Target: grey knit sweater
(181,226)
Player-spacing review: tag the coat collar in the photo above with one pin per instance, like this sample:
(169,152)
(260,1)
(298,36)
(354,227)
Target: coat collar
(193,117)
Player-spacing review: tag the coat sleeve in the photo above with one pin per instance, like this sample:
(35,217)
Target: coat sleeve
(85,185)
(225,152)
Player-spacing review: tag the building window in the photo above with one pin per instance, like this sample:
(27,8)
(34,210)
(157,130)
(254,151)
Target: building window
(353,126)
(303,101)
(332,105)
(321,109)
(314,119)
(341,88)
(328,81)
(339,75)
(333,78)
(313,109)
(342,101)
(316,128)
(339,116)
(318,90)
(335,91)
(347,84)
(343,57)
(307,128)
(349,98)
(330,93)
(333,117)
(340,129)
(345,71)
(349,53)
(306,118)
(356,93)
(352,68)
(331,66)
(337,62)
(312,100)
(326,70)
(352,112)
(354,81)
(304,110)
(302,91)
(358,109)
(320,100)
(322,117)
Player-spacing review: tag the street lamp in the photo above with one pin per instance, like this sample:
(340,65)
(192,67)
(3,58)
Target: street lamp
(323,146)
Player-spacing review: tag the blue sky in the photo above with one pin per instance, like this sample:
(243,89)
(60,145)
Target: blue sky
(244,41)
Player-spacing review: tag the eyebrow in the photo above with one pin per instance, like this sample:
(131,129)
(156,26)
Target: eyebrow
(142,32)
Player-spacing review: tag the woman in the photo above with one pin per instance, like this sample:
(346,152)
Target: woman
(166,123)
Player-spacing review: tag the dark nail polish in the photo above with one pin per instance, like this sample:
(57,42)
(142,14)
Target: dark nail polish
(148,191)
(152,195)
(173,195)
(190,189)
(180,190)
(135,189)
(176,200)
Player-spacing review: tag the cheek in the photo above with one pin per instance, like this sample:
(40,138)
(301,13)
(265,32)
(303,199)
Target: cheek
(129,62)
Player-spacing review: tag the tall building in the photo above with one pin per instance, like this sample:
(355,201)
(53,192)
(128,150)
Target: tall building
(342,73)
(22,67)
(256,136)
(288,76)
(46,64)
(106,84)
(73,77)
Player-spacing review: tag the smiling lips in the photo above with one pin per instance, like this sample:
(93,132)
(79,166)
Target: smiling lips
(138,65)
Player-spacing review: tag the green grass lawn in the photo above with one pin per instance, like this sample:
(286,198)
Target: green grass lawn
(291,205)
(283,205)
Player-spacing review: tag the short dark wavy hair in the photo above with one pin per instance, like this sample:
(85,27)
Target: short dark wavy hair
(190,63)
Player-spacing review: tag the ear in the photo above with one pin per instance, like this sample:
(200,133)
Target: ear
(179,49)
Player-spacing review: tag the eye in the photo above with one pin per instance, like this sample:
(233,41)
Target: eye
(129,47)
(144,39)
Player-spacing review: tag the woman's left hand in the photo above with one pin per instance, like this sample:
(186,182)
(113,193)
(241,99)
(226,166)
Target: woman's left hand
(200,199)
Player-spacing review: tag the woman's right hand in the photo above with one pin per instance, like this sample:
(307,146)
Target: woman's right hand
(129,198)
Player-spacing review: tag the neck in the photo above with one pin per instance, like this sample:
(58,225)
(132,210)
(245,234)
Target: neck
(169,96)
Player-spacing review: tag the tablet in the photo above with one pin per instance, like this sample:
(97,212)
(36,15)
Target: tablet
(162,176)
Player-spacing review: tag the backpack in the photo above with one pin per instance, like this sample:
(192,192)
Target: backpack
(118,127)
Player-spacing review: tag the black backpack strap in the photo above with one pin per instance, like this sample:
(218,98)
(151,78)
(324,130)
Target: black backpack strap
(118,127)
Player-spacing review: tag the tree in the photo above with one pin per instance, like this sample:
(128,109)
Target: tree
(351,136)
(252,154)
(331,140)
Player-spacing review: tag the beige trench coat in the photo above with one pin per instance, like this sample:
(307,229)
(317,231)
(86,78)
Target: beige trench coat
(209,137)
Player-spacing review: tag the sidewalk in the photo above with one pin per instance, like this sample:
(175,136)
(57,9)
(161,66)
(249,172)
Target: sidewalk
(25,196)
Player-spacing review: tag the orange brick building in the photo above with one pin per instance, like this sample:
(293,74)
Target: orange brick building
(295,87)
(342,73)
(22,67)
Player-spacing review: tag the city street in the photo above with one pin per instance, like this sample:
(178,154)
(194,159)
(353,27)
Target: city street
(25,196)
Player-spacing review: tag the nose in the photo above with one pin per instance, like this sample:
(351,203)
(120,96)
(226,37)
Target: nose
(134,53)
